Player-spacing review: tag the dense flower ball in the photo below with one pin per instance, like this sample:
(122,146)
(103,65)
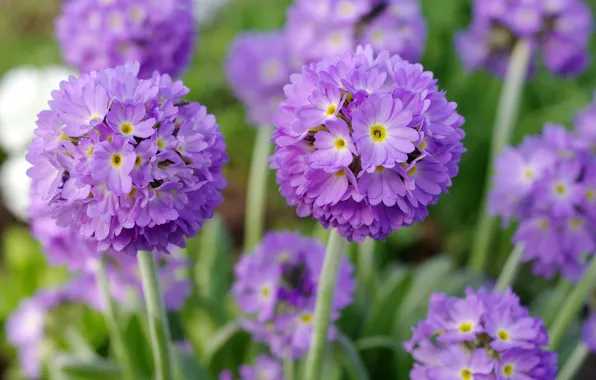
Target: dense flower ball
(317,29)
(548,184)
(560,29)
(481,336)
(265,368)
(95,34)
(124,161)
(276,287)
(257,69)
(365,143)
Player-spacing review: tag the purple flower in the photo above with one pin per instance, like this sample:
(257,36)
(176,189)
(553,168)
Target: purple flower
(265,368)
(589,333)
(365,143)
(257,68)
(482,336)
(559,29)
(142,174)
(331,27)
(276,288)
(97,34)
(545,183)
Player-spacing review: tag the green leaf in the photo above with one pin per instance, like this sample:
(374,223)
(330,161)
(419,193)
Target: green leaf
(351,358)
(219,340)
(187,366)
(86,369)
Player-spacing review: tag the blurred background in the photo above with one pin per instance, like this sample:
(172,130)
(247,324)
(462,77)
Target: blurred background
(26,38)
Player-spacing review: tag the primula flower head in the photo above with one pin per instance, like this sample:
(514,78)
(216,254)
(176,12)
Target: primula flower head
(317,29)
(276,287)
(265,368)
(95,34)
(496,339)
(546,185)
(365,143)
(125,162)
(560,29)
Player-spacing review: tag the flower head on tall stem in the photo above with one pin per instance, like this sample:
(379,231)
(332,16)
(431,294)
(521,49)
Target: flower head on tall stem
(365,143)
(276,287)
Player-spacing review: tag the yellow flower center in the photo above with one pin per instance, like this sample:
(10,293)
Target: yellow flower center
(160,143)
(378,133)
(138,161)
(345,9)
(503,335)
(90,150)
(544,224)
(508,370)
(270,70)
(94,117)
(340,173)
(466,374)
(528,174)
(560,189)
(117,160)
(412,171)
(331,110)
(380,169)
(590,195)
(265,291)
(126,129)
(576,223)
(423,145)
(336,39)
(306,318)
(377,36)
(466,327)
(340,143)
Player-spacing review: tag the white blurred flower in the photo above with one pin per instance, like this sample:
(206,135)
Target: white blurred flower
(206,10)
(15,185)
(24,92)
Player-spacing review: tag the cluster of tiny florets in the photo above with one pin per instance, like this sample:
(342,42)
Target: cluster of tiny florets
(95,34)
(365,143)
(481,336)
(276,287)
(126,162)
(560,29)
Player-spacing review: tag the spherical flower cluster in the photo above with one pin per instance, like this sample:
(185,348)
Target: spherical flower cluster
(560,29)
(317,29)
(482,336)
(548,184)
(276,287)
(126,162)
(257,69)
(265,368)
(365,143)
(95,34)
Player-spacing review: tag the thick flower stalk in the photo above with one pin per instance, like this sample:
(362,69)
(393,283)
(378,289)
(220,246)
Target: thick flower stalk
(481,336)
(276,288)
(264,368)
(327,28)
(547,184)
(365,143)
(558,29)
(95,34)
(126,162)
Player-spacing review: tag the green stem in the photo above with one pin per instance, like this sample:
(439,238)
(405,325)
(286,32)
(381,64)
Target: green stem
(323,306)
(257,188)
(156,314)
(574,362)
(556,300)
(366,263)
(572,305)
(288,369)
(510,270)
(116,339)
(505,120)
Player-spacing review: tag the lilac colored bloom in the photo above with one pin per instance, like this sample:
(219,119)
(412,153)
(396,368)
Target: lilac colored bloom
(257,69)
(485,336)
(142,172)
(365,143)
(276,288)
(558,29)
(317,29)
(545,183)
(265,368)
(96,34)
(589,333)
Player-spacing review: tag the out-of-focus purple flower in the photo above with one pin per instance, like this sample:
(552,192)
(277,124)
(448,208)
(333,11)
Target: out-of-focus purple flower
(276,287)
(365,143)
(126,162)
(589,333)
(544,184)
(558,29)
(96,34)
(482,336)
(265,368)
(317,29)
(257,69)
